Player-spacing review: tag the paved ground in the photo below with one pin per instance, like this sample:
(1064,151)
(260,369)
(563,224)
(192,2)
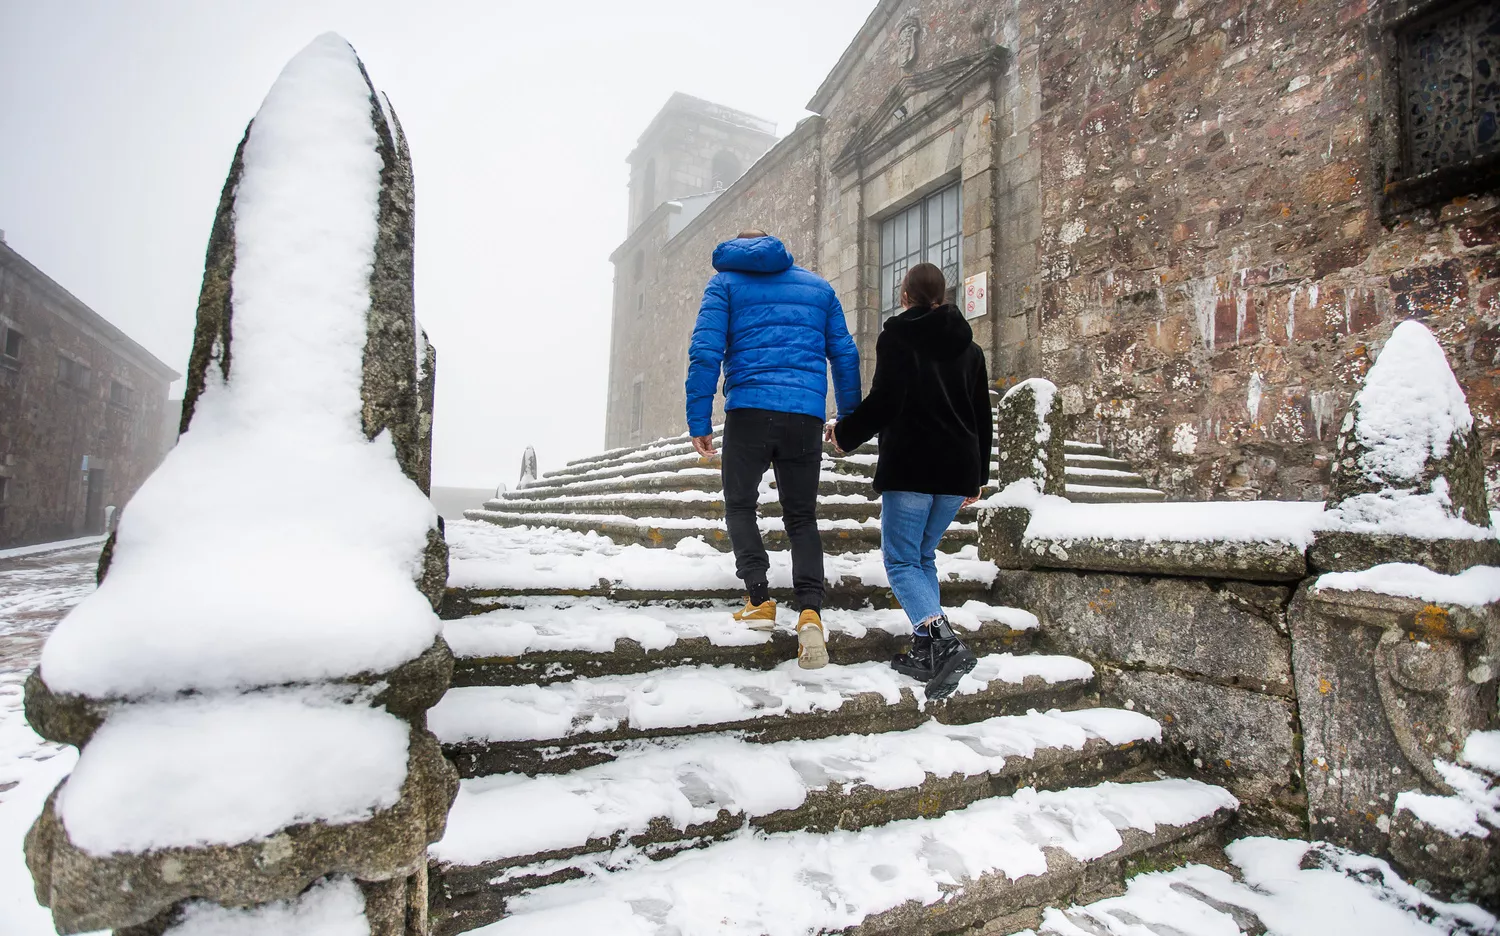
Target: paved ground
(35,592)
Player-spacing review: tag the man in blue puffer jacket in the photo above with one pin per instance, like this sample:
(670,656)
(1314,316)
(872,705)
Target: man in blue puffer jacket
(775,328)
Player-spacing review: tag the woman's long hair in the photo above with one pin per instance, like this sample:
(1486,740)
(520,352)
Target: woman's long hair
(924,287)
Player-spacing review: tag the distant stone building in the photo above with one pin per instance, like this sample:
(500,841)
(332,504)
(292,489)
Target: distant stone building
(1200,218)
(81,410)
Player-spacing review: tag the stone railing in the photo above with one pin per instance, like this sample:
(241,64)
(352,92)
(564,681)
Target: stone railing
(1317,693)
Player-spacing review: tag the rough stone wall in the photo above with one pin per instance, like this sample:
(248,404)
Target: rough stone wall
(1215,274)
(653,321)
(47,426)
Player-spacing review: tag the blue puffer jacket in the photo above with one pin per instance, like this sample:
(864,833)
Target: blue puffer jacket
(775,328)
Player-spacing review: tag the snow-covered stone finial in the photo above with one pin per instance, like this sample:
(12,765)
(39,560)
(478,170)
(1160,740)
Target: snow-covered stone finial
(528,468)
(1029,436)
(1409,474)
(249,683)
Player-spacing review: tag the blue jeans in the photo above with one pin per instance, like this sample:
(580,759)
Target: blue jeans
(910,526)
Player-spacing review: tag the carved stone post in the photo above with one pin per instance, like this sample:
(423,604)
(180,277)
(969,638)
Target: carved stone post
(1029,437)
(1391,671)
(248,686)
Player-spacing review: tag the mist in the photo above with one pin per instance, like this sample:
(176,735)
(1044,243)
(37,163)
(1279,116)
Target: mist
(120,122)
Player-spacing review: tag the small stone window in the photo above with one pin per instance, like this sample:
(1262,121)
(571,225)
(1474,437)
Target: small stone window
(637,407)
(1448,91)
(12,345)
(726,169)
(73,373)
(120,395)
(4,489)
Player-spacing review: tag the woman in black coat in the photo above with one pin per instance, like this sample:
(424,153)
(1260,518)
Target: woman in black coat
(930,404)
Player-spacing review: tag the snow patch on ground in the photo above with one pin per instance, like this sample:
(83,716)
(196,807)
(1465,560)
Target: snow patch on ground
(210,770)
(1473,588)
(19,552)
(1344,893)
(300,579)
(334,907)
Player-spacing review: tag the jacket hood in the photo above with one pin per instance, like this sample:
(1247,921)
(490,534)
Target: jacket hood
(752,255)
(940,331)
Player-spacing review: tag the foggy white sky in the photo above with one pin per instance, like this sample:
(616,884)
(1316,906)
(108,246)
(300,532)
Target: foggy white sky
(118,122)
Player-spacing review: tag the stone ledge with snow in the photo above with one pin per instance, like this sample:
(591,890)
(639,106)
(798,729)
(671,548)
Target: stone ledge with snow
(1020,528)
(249,688)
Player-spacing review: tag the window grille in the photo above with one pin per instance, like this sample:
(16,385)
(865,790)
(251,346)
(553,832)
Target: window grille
(929,231)
(1450,86)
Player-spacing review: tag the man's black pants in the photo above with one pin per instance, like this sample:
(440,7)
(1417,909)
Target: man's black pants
(792,444)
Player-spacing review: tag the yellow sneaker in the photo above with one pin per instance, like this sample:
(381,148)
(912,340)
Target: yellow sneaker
(812,648)
(760,617)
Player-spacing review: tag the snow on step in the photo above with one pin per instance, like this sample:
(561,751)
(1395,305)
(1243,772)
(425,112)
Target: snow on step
(595,624)
(1090,448)
(693,696)
(483,555)
(798,882)
(690,782)
(332,907)
(1340,892)
(157,775)
(1102,474)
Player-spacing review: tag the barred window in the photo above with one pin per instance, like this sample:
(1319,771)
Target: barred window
(1450,86)
(929,231)
(73,373)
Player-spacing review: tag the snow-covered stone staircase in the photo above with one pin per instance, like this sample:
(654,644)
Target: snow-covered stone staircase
(1094,477)
(632,759)
(662,493)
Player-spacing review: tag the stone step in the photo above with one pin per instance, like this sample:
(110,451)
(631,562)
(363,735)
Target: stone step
(707,507)
(1098,494)
(838,535)
(1075,460)
(1076,447)
(585,721)
(674,794)
(1003,859)
(538,641)
(655,452)
(708,480)
(1104,477)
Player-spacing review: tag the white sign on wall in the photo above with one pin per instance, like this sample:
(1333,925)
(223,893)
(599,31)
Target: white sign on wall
(976,295)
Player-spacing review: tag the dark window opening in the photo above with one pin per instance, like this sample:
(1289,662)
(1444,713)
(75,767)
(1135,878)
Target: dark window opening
(726,168)
(12,344)
(929,231)
(119,394)
(73,373)
(1448,89)
(4,489)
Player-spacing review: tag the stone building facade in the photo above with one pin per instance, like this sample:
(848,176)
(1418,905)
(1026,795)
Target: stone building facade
(1199,218)
(81,410)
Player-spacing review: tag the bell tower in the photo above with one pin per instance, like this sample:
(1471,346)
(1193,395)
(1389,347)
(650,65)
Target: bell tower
(691,147)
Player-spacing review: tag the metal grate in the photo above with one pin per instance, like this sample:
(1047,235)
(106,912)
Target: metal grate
(1450,87)
(929,231)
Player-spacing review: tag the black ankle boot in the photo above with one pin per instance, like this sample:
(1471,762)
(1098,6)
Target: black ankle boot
(950,659)
(916,662)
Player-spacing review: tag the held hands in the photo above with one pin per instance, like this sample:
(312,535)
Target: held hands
(830,437)
(969,502)
(704,446)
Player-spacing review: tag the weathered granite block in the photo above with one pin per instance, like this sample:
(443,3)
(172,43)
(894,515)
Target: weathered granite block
(1244,741)
(1029,436)
(1253,560)
(1230,633)
(1384,686)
